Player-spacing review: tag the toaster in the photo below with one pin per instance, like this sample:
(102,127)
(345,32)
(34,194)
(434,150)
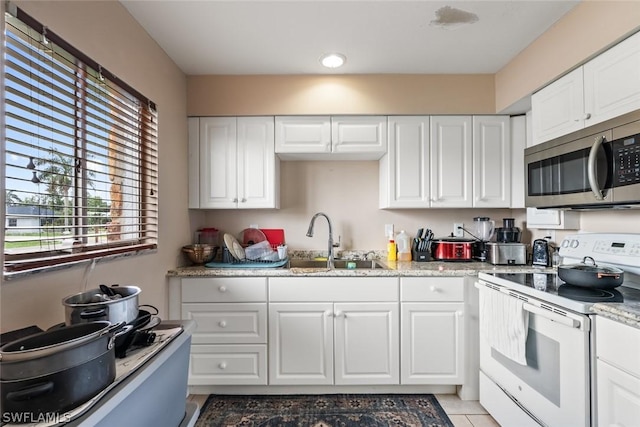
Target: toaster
(506,253)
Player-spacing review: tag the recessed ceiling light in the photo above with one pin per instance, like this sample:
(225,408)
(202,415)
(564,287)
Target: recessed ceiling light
(333,60)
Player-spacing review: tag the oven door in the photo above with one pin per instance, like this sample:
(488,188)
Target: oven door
(553,388)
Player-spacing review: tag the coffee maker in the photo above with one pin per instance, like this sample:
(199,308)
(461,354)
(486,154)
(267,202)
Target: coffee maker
(484,228)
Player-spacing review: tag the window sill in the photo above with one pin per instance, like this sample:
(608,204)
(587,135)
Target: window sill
(87,262)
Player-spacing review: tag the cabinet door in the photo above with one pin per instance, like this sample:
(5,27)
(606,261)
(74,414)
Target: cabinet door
(558,109)
(618,396)
(257,163)
(218,171)
(367,343)
(612,81)
(359,134)
(491,162)
(519,129)
(194,162)
(227,323)
(228,365)
(300,343)
(432,343)
(304,134)
(451,161)
(404,171)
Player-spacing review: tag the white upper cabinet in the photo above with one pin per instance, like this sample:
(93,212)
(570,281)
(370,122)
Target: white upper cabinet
(237,163)
(612,81)
(603,88)
(520,131)
(451,161)
(558,109)
(404,171)
(359,134)
(447,161)
(303,134)
(325,137)
(491,162)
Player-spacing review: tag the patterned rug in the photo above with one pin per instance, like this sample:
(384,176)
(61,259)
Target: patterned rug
(343,410)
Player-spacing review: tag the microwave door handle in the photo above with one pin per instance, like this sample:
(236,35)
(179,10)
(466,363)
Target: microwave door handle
(591,168)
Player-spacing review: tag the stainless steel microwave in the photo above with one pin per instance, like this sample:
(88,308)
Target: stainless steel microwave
(596,167)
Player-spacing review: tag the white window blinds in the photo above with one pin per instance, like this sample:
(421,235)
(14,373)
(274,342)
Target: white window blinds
(81,155)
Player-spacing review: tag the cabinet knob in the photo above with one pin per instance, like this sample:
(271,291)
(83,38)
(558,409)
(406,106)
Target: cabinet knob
(222,365)
(433,289)
(339,313)
(235,200)
(222,289)
(243,200)
(222,323)
(587,116)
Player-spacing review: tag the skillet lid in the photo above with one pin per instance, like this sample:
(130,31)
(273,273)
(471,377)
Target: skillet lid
(592,267)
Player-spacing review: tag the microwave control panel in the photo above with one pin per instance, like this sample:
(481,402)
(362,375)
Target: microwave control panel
(626,152)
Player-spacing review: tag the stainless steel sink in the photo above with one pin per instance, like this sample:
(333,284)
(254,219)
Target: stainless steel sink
(338,264)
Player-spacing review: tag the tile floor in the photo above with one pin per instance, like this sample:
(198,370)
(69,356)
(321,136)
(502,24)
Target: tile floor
(463,413)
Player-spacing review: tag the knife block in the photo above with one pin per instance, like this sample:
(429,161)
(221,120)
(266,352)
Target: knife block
(421,256)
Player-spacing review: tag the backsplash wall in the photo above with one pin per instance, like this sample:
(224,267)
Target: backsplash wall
(347,191)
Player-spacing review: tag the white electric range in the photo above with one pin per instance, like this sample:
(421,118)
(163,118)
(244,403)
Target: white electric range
(554,385)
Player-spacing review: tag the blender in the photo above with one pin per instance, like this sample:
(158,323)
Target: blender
(484,227)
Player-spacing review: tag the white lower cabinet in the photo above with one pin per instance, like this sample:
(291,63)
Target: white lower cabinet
(301,343)
(432,331)
(336,341)
(617,373)
(229,345)
(323,331)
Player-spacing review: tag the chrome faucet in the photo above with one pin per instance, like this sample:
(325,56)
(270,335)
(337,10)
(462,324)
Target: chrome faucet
(331,244)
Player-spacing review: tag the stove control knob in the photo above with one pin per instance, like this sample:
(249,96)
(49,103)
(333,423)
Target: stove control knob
(565,243)
(574,243)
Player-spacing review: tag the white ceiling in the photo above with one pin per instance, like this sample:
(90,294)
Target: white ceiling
(377,37)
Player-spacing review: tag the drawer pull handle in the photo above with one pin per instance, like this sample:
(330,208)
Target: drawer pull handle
(222,324)
(222,365)
(222,289)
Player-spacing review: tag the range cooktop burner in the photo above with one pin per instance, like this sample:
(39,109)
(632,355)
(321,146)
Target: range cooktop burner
(589,294)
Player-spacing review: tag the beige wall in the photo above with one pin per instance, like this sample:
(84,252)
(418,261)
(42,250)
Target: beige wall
(586,30)
(105,31)
(340,94)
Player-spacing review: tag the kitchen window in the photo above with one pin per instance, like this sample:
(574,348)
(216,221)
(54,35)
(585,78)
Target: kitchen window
(80,155)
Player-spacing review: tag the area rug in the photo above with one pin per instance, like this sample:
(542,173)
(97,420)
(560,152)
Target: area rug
(333,410)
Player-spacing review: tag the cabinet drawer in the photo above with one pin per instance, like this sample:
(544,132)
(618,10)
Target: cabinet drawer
(225,289)
(432,289)
(228,365)
(227,323)
(618,344)
(338,289)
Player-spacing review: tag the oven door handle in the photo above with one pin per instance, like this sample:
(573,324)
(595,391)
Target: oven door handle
(567,321)
(591,168)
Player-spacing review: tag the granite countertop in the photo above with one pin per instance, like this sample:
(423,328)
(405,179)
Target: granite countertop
(627,312)
(393,269)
